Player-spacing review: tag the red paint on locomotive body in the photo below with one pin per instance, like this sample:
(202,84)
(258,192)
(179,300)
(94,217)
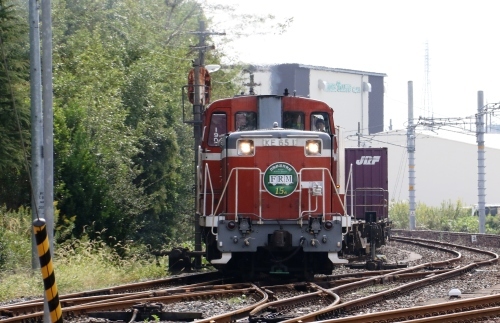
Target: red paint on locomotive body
(269,150)
(267,193)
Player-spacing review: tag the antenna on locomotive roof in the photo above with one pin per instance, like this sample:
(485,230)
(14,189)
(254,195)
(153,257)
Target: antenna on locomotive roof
(286,92)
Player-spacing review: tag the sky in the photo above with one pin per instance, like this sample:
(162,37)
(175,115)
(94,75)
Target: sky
(386,36)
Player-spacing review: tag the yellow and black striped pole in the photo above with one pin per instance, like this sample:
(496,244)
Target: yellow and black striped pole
(49,279)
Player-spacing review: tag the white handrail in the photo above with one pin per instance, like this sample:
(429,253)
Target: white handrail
(301,213)
(207,175)
(236,169)
(332,181)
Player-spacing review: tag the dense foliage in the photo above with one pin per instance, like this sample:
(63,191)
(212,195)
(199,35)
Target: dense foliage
(14,105)
(123,155)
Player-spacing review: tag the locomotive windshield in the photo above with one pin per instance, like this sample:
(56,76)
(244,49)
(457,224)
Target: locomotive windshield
(293,120)
(320,122)
(217,128)
(245,121)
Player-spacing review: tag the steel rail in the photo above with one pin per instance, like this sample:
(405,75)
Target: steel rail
(493,255)
(115,292)
(332,312)
(396,277)
(239,313)
(259,314)
(442,312)
(126,304)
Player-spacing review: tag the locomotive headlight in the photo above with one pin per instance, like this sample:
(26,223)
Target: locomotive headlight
(245,148)
(313,147)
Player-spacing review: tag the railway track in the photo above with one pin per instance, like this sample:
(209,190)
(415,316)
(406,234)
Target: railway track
(335,313)
(335,298)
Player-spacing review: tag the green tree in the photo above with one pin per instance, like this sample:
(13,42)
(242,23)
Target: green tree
(123,156)
(94,147)
(120,66)
(14,105)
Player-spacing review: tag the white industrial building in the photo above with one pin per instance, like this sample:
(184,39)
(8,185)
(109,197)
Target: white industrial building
(446,165)
(357,97)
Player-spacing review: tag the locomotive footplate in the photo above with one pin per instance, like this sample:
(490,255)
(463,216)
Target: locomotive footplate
(245,235)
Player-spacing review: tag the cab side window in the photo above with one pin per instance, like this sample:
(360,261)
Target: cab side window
(218,127)
(245,121)
(293,120)
(320,122)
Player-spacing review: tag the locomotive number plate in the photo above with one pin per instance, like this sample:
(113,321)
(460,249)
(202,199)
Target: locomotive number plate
(279,142)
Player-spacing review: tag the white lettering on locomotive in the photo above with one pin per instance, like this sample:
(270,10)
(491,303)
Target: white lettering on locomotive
(288,168)
(280,179)
(279,142)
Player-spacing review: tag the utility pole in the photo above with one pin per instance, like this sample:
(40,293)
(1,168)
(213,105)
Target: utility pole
(197,111)
(48,120)
(252,83)
(411,156)
(199,101)
(37,194)
(482,111)
(480,161)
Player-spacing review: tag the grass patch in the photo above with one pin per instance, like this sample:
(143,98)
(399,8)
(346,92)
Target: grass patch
(81,266)
(23,283)
(87,265)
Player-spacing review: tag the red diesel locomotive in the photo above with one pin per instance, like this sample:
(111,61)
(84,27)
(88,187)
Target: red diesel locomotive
(268,196)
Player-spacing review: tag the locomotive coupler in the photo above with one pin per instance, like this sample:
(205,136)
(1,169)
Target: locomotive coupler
(281,239)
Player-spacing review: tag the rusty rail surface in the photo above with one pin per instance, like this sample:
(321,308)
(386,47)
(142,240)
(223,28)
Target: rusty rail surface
(126,302)
(268,311)
(333,312)
(453,311)
(106,294)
